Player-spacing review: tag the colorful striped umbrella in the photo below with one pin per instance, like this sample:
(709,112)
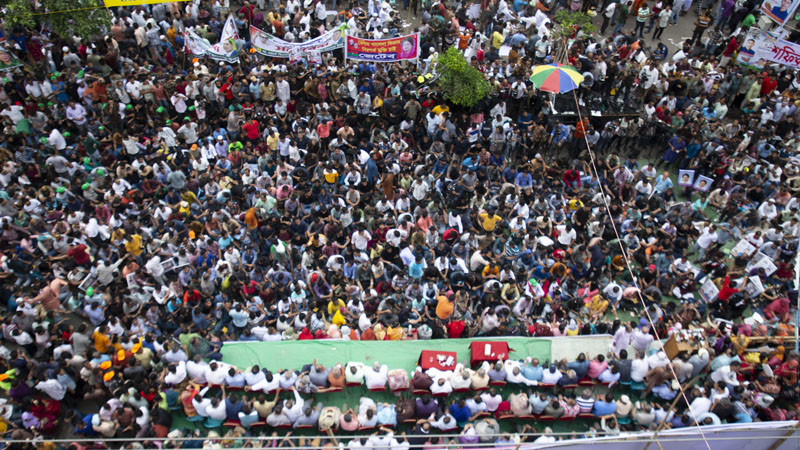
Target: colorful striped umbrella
(558,78)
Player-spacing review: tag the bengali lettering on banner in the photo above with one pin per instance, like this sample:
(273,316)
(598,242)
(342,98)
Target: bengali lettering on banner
(115,3)
(383,50)
(779,10)
(226,50)
(761,48)
(275,47)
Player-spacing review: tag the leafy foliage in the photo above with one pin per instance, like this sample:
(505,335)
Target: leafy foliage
(569,21)
(462,84)
(84,18)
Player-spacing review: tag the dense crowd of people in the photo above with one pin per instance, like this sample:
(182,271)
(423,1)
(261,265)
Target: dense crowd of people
(156,205)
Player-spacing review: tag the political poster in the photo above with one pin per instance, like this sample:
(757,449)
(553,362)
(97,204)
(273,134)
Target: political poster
(225,50)
(709,290)
(113,3)
(761,261)
(275,47)
(383,50)
(743,247)
(7,60)
(685,177)
(761,48)
(779,10)
(703,183)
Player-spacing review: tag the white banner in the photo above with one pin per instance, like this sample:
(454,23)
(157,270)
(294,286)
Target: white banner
(275,47)
(761,48)
(225,50)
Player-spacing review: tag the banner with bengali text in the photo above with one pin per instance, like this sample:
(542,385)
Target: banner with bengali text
(761,48)
(225,50)
(383,50)
(275,47)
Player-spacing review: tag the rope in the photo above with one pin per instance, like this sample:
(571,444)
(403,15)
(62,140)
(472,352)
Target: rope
(620,437)
(630,270)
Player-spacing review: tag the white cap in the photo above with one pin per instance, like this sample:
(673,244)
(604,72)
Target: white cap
(65,49)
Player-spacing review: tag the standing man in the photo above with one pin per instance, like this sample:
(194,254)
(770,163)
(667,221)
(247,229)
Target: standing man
(641,19)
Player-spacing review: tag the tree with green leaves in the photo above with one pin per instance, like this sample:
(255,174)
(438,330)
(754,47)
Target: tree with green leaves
(462,84)
(66,18)
(569,23)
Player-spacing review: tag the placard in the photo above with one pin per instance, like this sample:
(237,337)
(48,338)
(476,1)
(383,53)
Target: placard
(685,177)
(703,183)
(743,247)
(383,50)
(709,291)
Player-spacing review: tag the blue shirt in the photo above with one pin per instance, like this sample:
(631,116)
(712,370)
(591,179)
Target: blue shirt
(461,415)
(602,408)
(559,133)
(532,373)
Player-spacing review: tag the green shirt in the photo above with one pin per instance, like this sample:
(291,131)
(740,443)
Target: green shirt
(622,15)
(643,14)
(748,21)
(24,126)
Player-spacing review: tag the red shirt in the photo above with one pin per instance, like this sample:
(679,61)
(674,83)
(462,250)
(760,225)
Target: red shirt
(79,255)
(571,176)
(768,85)
(726,291)
(732,46)
(251,128)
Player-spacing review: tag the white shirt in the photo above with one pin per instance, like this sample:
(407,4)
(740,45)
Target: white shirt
(197,371)
(639,369)
(178,376)
(376,379)
(264,385)
(565,237)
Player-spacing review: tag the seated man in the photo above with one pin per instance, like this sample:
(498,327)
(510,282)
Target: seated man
(476,405)
(514,374)
(539,402)
(277,418)
(398,379)
(532,370)
(461,378)
(329,418)
(479,379)
(376,376)
(551,375)
(268,384)
(425,406)
(310,416)
(421,380)
(319,374)
(367,413)
(387,415)
(446,422)
(497,372)
(441,386)
(519,404)
(287,379)
(336,379)
(404,409)
(354,373)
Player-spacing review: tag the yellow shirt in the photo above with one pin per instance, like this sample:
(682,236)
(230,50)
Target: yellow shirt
(334,306)
(497,40)
(489,223)
(272,141)
(438,109)
(330,177)
(134,245)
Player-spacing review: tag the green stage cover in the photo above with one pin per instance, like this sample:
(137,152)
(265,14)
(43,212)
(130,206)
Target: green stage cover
(395,354)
